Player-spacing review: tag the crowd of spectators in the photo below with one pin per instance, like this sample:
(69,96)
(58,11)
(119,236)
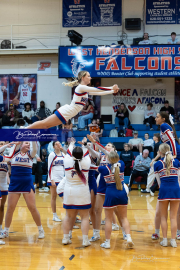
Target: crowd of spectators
(147,41)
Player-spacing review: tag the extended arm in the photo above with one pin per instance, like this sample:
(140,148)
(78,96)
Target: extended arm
(33,151)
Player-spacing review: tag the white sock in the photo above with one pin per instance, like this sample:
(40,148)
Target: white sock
(123,231)
(70,232)
(128,237)
(157,231)
(0,227)
(54,215)
(40,228)
(94,232)
(173,240)
(178,232)
(6,229)
(165,239)
(66,236)
(97,231)
(108,241)
(85,237)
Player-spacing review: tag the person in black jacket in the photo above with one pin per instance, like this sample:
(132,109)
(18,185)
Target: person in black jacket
(127,156)
(168,109)
(122,117)
(7,120)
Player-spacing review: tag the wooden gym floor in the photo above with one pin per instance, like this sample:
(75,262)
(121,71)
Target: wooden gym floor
(23,250)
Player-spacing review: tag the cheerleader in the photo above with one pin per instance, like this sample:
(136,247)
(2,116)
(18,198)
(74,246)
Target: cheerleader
(116,197)
(22,182)
(4,180)
(102,185)
(76,197)
(55,174)
(167,171)
(66,112)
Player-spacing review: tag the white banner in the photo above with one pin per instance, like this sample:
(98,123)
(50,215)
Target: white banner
(44,67)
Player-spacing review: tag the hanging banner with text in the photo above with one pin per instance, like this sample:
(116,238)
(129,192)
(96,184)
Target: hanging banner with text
(107,12)
(161,12)
(116,61)
(76,13)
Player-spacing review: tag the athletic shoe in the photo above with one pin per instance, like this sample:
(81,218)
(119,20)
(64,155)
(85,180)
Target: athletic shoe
(44,182)
(102,222)
(43,189)
(41,234)
(124,237)
(95,238)
(66,241)
(105,245)
(173,243)
(147,124)
(164,243)
(178,237)
(46,188)
(144,191)
(152,193)
(115,227)
(2,243)
(86,243)
(35,186)
(155,236)
(130,243)
(4,234)
(70,235)
(78,220)
(151,129)
(55,218)
(75,227)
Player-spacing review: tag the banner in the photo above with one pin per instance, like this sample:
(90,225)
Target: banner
(116,61)
(4,93)
(23,89)
(178,11)
(161,12)
(136,97)
(44,67)
(76,13)
(177,100)
(107,12)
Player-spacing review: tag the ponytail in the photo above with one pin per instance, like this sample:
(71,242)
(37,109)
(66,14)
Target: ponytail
(80,174)
(119,185)
(71,84)
(168,163)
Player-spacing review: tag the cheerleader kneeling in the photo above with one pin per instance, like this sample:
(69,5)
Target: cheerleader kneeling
(116,197)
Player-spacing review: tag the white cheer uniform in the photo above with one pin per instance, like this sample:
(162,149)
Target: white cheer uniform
(76,193)
(80,98)
(55,168)
(25,93)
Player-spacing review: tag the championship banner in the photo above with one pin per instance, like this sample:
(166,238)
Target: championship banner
(122,62)
(136,97)
(76,13)
(23,89)
(107,12)
(161,12)
(4,92)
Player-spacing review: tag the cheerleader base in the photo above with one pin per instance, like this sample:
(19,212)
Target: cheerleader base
(76,197)
(115,197)
(169,192)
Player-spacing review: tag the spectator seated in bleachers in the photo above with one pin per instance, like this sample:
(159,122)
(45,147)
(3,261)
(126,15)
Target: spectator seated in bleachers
(20,123)
(145,40)
(67,131)
(148,143)
(94,129)
(41,113)
(13,116)
(173,39)
(149,116)
(27,113)
(168,109)
(152,184)
(136,144)
(58,105)
(141,168)
(87,114)
(122,117)
(127,156)
(44,162)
